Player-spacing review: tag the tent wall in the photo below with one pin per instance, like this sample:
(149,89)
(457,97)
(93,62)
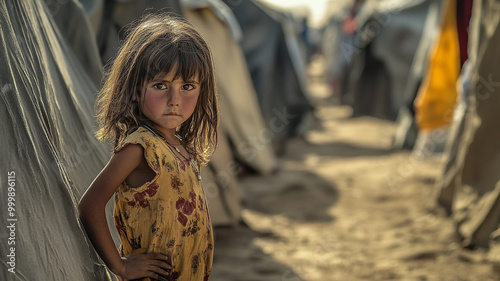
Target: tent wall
(73,25)
(46,110)
(470,185)
(278,86)
(108,18)
(383,53)
(407,131)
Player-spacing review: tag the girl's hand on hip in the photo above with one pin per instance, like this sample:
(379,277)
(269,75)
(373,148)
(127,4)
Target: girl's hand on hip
(138,264)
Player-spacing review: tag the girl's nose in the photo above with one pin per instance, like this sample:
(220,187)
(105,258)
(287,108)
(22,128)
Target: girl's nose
(174,97)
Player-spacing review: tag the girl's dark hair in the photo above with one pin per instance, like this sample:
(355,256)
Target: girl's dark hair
(153,47)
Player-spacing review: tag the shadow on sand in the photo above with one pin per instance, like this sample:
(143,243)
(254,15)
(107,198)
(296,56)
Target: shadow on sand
(247,263)
(296,194)
(336,149)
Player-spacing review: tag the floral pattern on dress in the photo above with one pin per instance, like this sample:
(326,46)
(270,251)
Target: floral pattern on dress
(141,198)
(175,182)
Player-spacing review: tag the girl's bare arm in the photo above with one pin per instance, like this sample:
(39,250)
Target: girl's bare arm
(93,216)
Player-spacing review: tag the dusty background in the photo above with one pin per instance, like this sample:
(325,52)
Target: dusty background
(345,207)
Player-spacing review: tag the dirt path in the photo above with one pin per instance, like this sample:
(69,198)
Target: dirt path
(345,207)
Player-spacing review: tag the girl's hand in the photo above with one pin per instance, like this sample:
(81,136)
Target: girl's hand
(138,264)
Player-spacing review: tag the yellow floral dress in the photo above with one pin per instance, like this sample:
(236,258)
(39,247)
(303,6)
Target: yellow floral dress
(168,214)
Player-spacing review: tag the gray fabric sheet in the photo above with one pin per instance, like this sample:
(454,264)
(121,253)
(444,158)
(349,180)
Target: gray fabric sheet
(278,85)
(383,52)
(72,23)
(46,108)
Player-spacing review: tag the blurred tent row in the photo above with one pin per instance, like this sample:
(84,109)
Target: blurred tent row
(53,54)
(379,57)
(430,66)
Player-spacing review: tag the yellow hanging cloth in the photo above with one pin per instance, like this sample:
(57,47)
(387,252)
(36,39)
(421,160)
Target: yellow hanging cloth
(437,95)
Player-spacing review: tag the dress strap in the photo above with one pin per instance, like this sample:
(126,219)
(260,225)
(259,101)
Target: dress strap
(151,130)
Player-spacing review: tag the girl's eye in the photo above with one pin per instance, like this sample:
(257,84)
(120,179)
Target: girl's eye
(187,87)
(160,86)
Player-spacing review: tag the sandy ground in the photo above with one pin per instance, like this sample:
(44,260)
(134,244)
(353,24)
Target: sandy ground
(345,207)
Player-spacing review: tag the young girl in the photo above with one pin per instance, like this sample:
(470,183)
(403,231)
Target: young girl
(159,108)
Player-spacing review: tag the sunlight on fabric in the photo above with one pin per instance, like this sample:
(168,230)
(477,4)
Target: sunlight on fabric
(314,9)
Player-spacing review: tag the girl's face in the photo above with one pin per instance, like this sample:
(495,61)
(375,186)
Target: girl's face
(168,103)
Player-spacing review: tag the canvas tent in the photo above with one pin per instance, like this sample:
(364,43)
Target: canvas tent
(383,53)
(74,27)
(46,107)
(275,60)
(407,131)
(107,18)
(470,184)
(437,95)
